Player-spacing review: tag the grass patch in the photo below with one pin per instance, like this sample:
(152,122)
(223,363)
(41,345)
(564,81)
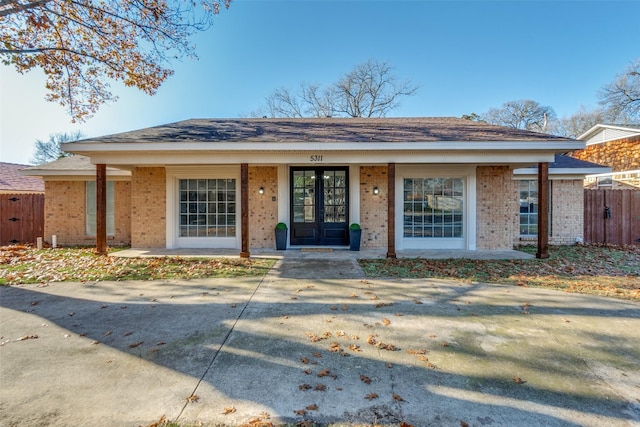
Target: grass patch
(591,269)
(22,265)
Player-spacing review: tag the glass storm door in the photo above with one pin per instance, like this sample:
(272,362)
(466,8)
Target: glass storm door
(319,206)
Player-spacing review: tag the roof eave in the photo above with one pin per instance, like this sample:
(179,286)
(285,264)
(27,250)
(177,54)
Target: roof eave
(172,147)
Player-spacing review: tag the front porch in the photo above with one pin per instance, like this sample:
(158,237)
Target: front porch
(324,253)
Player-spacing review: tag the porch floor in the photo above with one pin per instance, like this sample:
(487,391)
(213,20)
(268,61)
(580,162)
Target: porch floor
(323,253)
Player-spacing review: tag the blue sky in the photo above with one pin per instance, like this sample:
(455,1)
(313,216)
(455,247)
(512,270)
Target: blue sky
(467,56)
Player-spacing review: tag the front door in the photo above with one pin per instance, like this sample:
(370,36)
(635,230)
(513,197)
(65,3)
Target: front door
(319,206)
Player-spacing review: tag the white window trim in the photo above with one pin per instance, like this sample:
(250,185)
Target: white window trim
(174,175)
(468,173)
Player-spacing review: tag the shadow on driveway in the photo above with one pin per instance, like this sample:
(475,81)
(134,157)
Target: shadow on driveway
(426,352)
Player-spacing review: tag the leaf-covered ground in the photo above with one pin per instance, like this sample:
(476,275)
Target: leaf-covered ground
(590,269)
(22,264)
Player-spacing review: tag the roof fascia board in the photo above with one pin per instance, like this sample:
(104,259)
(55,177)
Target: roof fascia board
(173,147)
(77,173)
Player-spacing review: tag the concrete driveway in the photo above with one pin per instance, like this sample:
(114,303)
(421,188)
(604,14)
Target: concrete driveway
(326,346)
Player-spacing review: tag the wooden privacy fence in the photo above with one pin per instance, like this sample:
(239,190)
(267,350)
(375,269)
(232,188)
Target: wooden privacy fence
(21,218)
(612,216)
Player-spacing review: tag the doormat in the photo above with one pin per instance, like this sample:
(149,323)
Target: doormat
(316,250)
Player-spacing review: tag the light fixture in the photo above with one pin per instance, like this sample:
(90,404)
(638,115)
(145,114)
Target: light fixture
(261,190)
(376,191)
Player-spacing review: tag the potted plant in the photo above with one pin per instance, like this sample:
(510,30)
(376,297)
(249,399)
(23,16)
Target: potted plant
(281,236)
(355,232)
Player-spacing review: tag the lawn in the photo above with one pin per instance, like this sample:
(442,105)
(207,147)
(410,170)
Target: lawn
(23,264)
(589,269)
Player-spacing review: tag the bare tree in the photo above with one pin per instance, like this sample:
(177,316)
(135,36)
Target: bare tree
(283,103)
(48,151)
(369,90)
(521,114)
(621,98)
(578,123)
(81,45)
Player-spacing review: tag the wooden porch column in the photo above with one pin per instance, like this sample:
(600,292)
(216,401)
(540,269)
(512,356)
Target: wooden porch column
(101,209)
(391,211)
(543,210)
(244,209)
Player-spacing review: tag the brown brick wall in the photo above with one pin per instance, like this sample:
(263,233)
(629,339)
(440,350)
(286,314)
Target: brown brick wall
(567,212)
(65,214)
(148,207)
(373,209)
(619,155)
(122,194)
(497,219)
(263,209)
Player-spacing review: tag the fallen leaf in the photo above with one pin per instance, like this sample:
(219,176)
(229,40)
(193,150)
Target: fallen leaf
(371,396)
(304,360)
(324,373)
(365,379)
(354,295)
(135,344)
(464,424)
(388,365)
(304,387)
(317,355)
(517,380)
(27,337)
(161,422)
(106,334)
(193,398)
(320,387)
(228,410)
(386,321)
(313,407)
(444,344)
(419,351)
(161,343)
(300,412)
(405,424)
(126,334)
(307,371)
(397,397)
(417,301)
(355,347)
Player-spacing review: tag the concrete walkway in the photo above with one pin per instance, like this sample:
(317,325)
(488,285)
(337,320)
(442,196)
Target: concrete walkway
(314,341)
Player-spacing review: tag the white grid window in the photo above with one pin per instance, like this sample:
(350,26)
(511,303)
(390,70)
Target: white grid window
(207,207)
(433,207)
(529,207)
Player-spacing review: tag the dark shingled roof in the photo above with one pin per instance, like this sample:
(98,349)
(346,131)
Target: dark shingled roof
(566,162)
(424,129)
(12,181)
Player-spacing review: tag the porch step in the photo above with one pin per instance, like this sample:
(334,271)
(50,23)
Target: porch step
(316,250)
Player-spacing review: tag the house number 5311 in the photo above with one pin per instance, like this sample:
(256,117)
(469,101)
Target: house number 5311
(315,158)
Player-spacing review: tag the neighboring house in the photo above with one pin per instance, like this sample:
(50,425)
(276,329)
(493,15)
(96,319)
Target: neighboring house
(12,182)
(616,146)
(411,183)
(21,205)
